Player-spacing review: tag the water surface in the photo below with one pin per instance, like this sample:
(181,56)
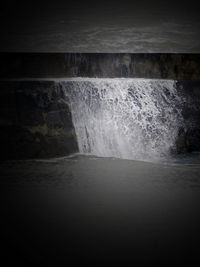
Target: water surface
(101,210)
(103,26)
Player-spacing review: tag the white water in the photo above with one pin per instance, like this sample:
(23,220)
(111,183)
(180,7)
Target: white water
(125,118)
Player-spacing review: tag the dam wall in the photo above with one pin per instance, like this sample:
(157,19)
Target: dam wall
(35,121)
(100,65)
(35,114)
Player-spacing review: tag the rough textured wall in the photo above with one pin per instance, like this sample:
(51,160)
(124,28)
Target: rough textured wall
(35,120)
(50,65)
(188,139)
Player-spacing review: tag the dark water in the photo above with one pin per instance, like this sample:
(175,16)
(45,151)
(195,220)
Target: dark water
(101,26)
(88,211)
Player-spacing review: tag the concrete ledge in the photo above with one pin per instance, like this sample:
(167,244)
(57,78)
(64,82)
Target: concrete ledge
(101,65)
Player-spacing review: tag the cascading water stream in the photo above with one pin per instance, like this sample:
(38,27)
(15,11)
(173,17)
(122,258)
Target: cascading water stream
(125,118)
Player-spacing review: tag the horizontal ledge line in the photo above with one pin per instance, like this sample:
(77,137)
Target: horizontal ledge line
(82,79)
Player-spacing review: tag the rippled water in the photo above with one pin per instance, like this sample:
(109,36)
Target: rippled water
(139,26)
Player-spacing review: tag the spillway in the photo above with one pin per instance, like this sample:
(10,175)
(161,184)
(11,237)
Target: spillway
(126,105)
(125,118)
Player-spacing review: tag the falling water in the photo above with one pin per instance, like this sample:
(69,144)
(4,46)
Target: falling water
(125,118)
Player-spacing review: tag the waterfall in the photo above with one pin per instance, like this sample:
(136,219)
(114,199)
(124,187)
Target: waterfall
(125,118)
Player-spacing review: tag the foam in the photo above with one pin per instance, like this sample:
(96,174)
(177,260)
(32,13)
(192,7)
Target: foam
(125,118)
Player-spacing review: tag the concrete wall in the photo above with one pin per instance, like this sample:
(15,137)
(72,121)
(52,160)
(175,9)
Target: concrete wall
(35,121)
(50,65)
(188,139)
